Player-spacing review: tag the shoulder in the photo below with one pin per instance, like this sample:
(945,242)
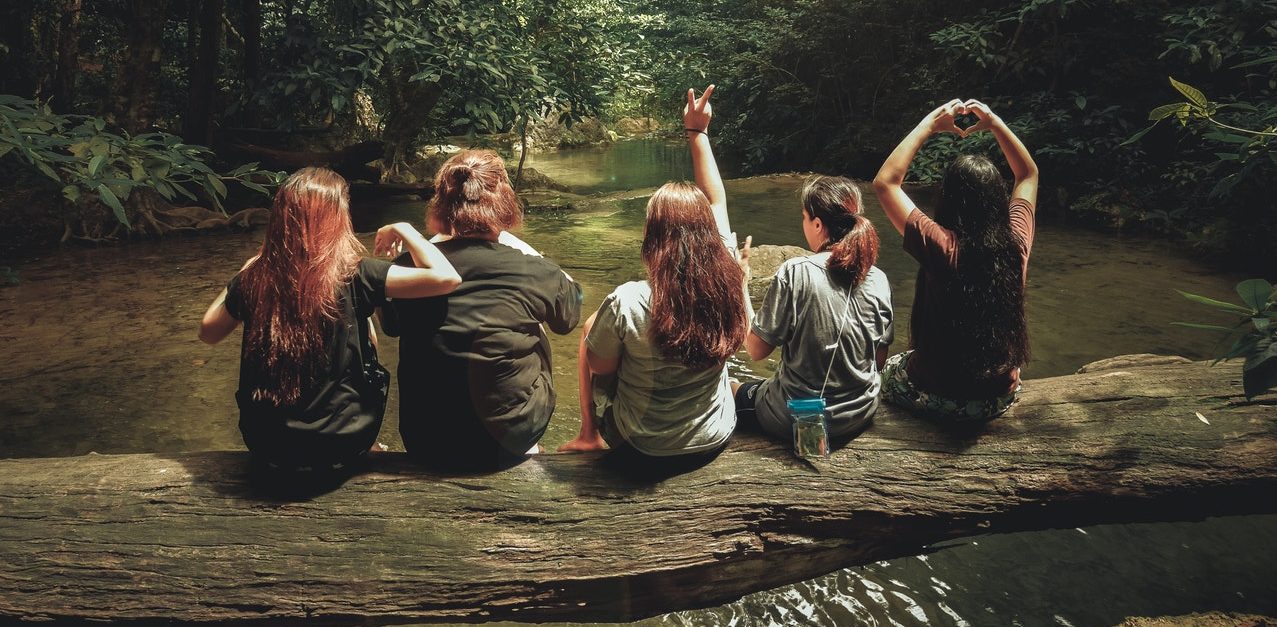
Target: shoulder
(876,283)
(633,292)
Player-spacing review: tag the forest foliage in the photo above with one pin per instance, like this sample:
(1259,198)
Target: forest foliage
(827,85)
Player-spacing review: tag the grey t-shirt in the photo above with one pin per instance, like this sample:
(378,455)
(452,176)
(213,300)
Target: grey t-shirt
(801,314)
(659,406)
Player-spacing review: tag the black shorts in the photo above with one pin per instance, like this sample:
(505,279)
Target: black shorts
(746,396)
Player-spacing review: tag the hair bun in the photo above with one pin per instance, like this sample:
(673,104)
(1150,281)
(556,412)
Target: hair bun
(472,189)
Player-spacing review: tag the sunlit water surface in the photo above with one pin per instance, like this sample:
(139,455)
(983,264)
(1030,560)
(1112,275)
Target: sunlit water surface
(102,356)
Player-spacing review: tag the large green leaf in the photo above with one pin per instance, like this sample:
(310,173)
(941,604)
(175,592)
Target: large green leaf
(113,202)
(95,164)
(1166,111)
(1193,94)
(1255,292)
(1215,303)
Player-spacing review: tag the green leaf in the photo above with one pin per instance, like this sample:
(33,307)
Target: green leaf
(217,184)
(111,201)
(1080,101)
(1259,373)
(255,187)
(1193,94)
(71,193)
(1255,292)
(1205,327)
(1202,300)
(1166,111)
(1138,136)
(1254,62)
(47,171)
(95,164)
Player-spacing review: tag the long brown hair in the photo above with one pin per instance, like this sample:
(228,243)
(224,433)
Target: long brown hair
(473,195)
(984,330)
(698,301)
(290,292)
(853,241)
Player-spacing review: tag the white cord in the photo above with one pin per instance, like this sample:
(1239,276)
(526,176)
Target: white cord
(837,342)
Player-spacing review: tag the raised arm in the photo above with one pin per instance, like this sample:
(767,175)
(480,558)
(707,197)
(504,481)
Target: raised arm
(696,117)
(888,184)
(433,276)
(1023,168)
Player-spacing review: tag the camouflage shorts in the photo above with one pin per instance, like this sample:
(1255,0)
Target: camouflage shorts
(899,391)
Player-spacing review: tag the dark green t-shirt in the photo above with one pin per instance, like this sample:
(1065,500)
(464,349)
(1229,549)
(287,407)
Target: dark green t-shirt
(478,357)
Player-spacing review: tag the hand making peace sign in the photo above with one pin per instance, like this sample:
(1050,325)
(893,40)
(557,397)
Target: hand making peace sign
(697,113)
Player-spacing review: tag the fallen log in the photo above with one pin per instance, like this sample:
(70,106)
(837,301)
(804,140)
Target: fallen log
(187,537)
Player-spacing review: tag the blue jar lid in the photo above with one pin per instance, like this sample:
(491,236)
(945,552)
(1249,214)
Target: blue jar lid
(806,405)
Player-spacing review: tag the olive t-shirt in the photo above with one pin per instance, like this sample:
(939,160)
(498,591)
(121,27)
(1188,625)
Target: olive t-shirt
(936,248)
(478,357)
(659,406)
(338,415)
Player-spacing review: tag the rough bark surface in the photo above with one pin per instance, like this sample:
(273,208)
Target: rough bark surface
(188,537)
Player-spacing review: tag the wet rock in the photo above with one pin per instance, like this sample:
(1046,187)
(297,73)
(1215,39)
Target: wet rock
(1131,361)
(764,261)
(542,200)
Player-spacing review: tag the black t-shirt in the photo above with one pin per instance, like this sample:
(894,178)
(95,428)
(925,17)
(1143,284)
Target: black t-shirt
(478,356)
(340,414)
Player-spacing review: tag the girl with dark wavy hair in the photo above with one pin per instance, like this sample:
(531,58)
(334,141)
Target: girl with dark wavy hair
(830,314)
(311,392)
(968,332)
(475,380)
(653,370)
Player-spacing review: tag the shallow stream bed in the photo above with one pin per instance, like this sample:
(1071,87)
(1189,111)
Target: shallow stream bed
(102,356)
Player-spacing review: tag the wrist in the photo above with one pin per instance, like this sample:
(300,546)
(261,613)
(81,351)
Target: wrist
(693,132)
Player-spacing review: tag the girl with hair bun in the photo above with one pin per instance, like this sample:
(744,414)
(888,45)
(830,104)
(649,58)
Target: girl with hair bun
(311,392)
(830,314)
(968,331)
(475,384)
(653,371)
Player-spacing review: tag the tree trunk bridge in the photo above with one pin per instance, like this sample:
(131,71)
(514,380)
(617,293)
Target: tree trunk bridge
(187,537)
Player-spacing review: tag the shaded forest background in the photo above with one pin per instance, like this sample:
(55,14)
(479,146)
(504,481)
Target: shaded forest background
(117,110)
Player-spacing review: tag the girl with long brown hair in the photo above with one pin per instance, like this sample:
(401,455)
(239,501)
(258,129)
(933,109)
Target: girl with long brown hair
(311,392)
(968,330)
(664,342)
(830,314)
(475,379)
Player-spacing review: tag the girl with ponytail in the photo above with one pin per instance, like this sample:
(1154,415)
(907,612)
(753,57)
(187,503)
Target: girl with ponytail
(968,332)
(475,379)
(830,314)
(311,392)
(653,370)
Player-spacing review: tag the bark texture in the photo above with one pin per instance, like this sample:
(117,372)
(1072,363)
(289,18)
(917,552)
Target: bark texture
(188,537)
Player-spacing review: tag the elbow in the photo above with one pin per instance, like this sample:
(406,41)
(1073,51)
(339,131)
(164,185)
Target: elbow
(208,336)
(450,282)
(884,182)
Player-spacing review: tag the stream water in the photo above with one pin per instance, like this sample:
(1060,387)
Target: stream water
(102,356)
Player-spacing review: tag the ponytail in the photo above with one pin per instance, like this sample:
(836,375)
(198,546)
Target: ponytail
(853,241)
(856,251)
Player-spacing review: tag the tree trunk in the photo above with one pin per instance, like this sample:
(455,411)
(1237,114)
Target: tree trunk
(198,123)
(523,151)
(141,71)
(68,57)
(407,112)
(188,536)
(251,28)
